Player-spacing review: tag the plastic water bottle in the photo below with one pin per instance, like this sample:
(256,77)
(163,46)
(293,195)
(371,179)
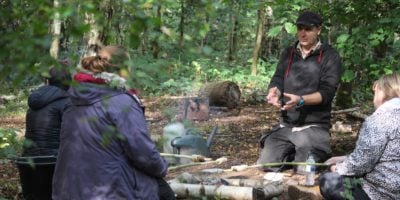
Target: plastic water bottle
(310,171)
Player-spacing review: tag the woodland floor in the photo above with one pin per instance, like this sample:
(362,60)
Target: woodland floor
(237,138)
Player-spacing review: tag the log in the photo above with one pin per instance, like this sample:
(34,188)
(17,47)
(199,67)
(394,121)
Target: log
(345,110)
(354,112)
(222,191)
(222,94)
(257,183)
(358,115)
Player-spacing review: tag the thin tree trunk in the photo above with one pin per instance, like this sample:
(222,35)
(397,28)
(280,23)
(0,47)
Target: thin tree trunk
(257,46)
(204,40)
(155,47)
(182,23)
(56,31)
(232,33)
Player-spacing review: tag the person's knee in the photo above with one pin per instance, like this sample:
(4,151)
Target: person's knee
(267,155)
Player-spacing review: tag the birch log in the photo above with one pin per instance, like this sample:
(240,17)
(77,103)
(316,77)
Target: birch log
(270,189)
(221,191)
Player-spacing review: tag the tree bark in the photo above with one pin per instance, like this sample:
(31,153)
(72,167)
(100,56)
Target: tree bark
(56,31)
(204,40)
(91,39)
(343,95)
(223,94)
(109,11)
(233,32)
(182,23)
(269,45)
(270,189)
(222,191)
(257,45)
(155,47)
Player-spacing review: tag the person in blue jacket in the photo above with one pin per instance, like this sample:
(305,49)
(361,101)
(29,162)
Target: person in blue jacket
(105,151)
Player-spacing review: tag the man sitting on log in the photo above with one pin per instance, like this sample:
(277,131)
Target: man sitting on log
(303,87)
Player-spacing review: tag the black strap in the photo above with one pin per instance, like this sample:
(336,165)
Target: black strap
(290,62)
(137,100)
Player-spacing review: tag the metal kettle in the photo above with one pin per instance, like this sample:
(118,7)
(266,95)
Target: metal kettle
(193,143)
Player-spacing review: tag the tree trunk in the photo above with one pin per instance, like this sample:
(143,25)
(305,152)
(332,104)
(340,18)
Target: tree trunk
(204,40)
(343,95)
(143,42)
(232,32)
(182,23)
(210,191)
(223,94)
(257,46)
(91,39)
(109,13)
(155,48)
(269,46)
(56,31)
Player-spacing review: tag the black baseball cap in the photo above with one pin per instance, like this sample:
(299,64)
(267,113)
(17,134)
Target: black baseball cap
(309,18)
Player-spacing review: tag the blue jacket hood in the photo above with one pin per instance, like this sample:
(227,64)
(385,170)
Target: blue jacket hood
(90,93)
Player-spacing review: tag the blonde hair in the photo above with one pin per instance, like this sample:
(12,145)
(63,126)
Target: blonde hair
(94,64)
(390,85)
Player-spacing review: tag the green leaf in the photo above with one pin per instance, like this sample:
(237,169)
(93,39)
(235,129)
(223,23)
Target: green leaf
(273,32)
(348,75)
(290,28)
(342,38)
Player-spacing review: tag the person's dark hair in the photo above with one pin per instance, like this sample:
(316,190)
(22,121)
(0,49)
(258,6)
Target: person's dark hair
(59,77)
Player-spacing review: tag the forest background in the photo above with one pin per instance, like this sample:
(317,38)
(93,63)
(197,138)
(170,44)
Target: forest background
(177,46)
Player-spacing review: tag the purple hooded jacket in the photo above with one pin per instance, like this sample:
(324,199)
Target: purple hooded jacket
(105,150)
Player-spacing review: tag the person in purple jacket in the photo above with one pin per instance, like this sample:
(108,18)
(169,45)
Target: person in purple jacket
(105,149)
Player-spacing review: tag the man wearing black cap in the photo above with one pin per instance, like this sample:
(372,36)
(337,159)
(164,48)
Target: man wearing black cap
(303,87)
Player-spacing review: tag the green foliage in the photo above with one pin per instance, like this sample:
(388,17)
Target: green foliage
(349,185)
(16,106)
(10,144)
(176,46)
(366,42)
